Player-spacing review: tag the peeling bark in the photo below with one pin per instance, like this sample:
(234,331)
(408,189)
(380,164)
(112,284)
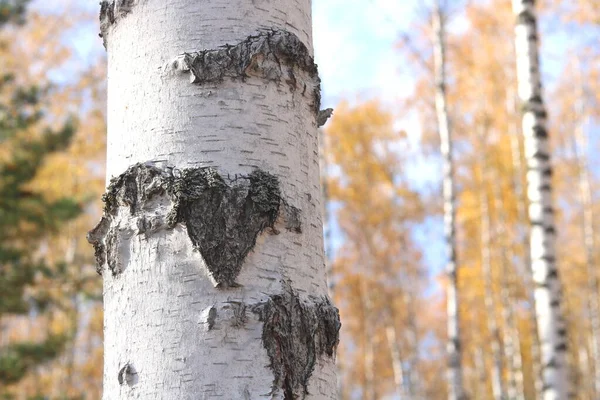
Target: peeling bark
(110,12)
(295,334)
(323,116)
(223,219)
(274,55)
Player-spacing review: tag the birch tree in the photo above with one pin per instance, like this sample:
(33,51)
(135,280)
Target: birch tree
(498,390)
(455,390)
(547,291)
(210,244)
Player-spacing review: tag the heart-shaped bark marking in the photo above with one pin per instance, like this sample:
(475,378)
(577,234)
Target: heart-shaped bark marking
(222,220)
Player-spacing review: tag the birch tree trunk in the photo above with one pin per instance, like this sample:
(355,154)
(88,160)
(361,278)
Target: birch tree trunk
(523,239)
(512,344)
(454,372)
(490,304)
(211,243)
(412,386)
(397,365)
(547,292)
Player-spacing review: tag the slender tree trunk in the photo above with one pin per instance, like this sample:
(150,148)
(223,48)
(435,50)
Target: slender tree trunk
(211,243)
(550,323)
(481,391)
(512,345)
(412,388)
(580,146)
(490,304)
(523,239)
(453,347)
(397,365)
(370,392)
(404,366)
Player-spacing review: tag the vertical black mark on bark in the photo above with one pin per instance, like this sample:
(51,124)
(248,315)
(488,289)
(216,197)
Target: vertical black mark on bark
(211,317)
(295,334)
(223,217)
(274,55)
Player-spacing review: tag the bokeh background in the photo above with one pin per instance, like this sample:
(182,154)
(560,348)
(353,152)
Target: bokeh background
(381,175)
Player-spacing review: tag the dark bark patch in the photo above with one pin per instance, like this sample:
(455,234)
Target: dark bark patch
(526,17)
(223,217)
(127,375)
(292,218)
(96,238)
(274,55)
(223,221)
(210,319)
(295,334)
(323,116)
(135,187)
(110,12)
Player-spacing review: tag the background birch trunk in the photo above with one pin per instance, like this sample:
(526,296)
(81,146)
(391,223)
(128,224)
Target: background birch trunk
(211,243)
(397,365)
(490,303)
(455,373)
(522,239)
(512,342)
(547,292)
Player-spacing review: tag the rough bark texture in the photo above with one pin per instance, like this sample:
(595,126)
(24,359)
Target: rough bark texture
(295,334)
(223,220)
(454,372)
(548,293)
(110,12)
(214,285)
(273,55)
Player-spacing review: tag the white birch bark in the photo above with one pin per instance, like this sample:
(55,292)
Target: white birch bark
(522,239)
(211,245)
(547,292)
(397,366)
(404,363)
(453,347)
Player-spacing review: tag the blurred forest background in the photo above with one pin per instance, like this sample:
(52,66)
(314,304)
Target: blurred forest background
(381,174)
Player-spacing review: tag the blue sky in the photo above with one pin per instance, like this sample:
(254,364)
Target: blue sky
(354,48)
